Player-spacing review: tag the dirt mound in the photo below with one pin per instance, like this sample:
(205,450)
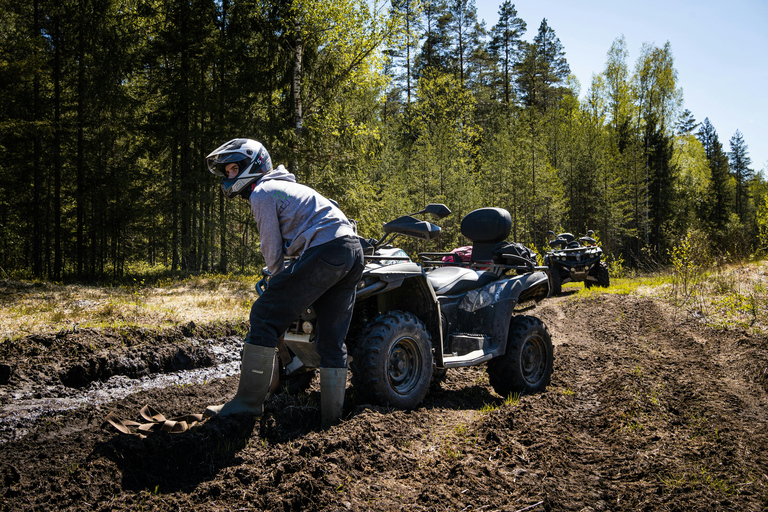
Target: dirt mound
(644,413)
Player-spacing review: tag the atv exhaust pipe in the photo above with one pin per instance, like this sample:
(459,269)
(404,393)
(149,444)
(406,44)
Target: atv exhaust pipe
(364,293)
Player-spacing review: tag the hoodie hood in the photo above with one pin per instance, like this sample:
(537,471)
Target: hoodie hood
(281,173)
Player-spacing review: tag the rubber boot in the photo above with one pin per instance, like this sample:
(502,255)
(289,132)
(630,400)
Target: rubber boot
(258,373)
(333,385)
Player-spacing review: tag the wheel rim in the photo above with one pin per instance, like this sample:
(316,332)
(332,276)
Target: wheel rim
(534,360)
(404,365)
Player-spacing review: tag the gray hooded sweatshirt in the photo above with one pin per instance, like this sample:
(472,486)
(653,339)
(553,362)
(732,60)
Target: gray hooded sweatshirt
(292,217)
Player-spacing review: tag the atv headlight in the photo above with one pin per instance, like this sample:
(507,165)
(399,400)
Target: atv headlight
(476,299)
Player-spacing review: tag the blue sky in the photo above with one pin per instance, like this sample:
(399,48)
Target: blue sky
(720,50)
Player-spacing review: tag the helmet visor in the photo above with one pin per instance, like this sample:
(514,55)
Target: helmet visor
(217,164)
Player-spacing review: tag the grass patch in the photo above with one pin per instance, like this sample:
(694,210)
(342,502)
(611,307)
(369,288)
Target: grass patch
(723,296)
(700,477)
(622,285)
(33,307)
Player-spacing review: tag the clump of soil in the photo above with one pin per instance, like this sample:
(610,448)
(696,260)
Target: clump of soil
(645,412)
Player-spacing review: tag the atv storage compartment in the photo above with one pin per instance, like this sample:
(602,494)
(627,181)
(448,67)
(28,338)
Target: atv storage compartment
(513,253)
(486,227)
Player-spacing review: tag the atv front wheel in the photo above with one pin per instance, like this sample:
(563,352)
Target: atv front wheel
(557,281)
(295,384)
(526,367)
(603,279)
(393,361)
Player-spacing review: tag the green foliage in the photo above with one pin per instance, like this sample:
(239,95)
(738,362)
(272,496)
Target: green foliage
(113,105)
(739,163)
(762,225)
(692,181)
(690,258)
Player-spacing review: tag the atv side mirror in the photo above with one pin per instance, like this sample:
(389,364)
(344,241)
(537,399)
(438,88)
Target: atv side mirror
(436,209)
(551,234)
(590,232)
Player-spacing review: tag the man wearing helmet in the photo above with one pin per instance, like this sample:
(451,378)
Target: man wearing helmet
(293,220)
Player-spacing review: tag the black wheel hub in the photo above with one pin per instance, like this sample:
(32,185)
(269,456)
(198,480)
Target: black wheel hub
(534,360)
(404,365)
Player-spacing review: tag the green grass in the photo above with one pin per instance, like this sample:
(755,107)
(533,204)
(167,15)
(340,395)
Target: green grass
(620,286)
(700,477)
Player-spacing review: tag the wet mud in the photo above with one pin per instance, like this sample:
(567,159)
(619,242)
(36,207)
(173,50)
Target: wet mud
(647,410)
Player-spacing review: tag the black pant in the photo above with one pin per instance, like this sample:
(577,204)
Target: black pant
(325,276)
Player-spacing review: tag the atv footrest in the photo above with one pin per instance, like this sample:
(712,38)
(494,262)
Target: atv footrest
(461,344)
(470,359)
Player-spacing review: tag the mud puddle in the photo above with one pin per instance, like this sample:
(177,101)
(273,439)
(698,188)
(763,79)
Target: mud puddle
(29,399)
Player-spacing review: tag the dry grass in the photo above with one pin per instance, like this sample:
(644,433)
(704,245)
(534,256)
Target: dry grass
(46,307)
(734,296)
(727,296)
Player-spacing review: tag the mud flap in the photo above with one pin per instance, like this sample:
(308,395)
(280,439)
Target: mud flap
(282,352)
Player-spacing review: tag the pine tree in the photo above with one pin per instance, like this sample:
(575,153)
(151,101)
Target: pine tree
(555,69)
(506,46)
(740,162)
(543,70)
(720,196)
(464,30)
(404,56)
(662,198)
(436,47)
(686,123)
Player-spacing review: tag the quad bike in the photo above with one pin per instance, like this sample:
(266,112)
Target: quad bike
(572,260)
(414,321)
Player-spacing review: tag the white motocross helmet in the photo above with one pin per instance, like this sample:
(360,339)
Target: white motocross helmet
(253,162)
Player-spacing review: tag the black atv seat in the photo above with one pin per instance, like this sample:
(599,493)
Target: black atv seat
(455,280)
(486,227)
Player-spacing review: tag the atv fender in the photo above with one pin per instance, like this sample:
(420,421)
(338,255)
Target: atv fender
(406,289)
(490,308)
(394,275)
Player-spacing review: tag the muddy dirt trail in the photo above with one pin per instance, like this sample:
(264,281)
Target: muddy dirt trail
(646,411)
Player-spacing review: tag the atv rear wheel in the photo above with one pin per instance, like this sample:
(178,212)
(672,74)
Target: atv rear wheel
(526,367)
(393,361)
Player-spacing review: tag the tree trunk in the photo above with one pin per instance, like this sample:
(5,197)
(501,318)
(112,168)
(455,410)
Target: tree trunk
(37,175)
(57,256)
(80,171)
(224,255)
(298,113)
